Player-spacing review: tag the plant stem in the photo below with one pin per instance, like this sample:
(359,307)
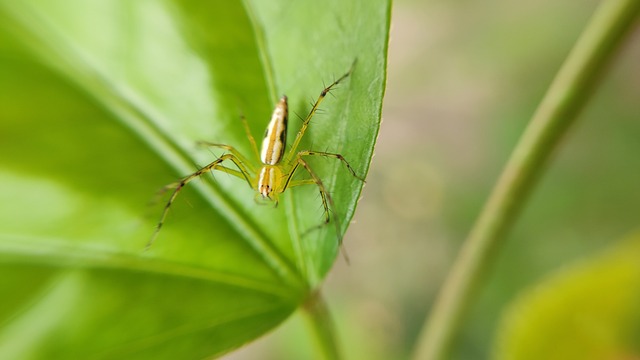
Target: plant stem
(567,94)
(320,321)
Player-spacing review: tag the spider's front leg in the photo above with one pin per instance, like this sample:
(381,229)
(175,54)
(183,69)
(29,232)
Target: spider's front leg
(314,109)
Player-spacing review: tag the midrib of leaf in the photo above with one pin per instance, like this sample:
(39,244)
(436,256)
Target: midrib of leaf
(67,59)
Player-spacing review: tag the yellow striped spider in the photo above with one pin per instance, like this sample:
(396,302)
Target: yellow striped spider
(274,174)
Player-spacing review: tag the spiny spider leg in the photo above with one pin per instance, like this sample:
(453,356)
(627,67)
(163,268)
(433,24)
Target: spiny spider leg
(313,110)
(178,185)
(232,150)
(331,155)
(315,179)
(294,183)
(327,200)
(252,140)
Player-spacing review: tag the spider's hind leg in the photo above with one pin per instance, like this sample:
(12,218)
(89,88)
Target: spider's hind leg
(178,185)
(232,150)
(327,201)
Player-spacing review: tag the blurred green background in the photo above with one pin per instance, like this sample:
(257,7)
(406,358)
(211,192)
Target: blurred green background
(464,79)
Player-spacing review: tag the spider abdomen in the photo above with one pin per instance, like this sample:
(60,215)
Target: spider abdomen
(275,137)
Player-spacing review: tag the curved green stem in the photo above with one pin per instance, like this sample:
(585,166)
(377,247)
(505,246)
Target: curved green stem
(319,319)
(567,94)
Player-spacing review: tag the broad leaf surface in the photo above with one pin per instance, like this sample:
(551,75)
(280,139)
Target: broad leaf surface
(589,310)
(101,104)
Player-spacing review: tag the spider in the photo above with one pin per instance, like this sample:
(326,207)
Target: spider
(275,172)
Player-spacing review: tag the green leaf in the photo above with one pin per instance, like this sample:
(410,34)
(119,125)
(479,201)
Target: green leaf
(587,311)
(101,104)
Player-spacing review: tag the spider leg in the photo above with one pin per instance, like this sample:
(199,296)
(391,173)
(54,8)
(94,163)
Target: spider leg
(236,173)
(178,185)
(327,200)
(301,182)
(313,110)
(252,140)
(239,157)
(161,192)
(331,155)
